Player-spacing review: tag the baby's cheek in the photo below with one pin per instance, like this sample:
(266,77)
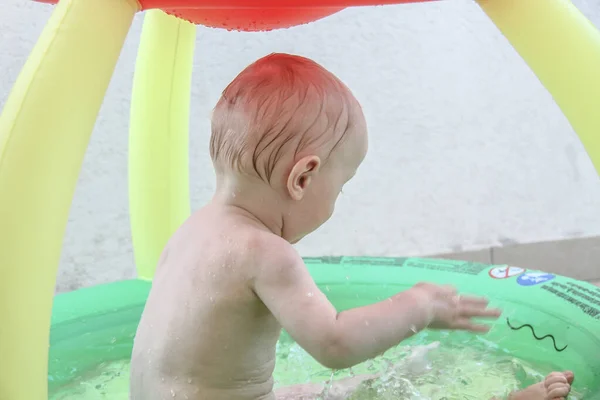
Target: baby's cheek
(332,196)
(331,208)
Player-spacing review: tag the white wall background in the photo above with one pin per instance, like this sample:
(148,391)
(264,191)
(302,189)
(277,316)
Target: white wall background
(468,150)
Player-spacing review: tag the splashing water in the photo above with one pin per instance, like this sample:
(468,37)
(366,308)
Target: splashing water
(462,368)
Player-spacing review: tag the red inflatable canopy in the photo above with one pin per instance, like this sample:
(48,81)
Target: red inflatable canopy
(255,15)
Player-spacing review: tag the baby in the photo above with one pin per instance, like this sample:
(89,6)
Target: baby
(286,136)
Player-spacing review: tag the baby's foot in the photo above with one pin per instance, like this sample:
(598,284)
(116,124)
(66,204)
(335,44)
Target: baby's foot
(556,386)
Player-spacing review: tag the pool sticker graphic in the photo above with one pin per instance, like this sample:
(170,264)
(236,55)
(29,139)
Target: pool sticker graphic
(505,271)
(534,278)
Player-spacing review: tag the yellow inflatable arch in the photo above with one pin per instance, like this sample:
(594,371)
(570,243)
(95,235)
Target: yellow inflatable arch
(49,116)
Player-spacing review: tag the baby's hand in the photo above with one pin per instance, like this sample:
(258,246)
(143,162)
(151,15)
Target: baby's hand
(453,311)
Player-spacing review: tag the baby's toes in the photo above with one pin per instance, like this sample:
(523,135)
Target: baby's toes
(553,378)
(570,376)
(558,390)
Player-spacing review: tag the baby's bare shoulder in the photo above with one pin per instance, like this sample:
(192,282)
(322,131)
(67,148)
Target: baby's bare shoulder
(275,259)
(268,249)
(224,238)
(261,252)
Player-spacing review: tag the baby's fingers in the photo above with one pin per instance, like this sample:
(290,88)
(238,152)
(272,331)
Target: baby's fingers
(473,301)
(466,324)
(480,312)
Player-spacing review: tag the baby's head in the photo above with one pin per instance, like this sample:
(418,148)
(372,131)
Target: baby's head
(289,130)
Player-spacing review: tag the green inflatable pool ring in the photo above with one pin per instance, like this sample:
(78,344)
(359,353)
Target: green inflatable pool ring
(547,318)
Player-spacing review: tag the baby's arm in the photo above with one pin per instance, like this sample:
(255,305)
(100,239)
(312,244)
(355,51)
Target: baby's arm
(335,340)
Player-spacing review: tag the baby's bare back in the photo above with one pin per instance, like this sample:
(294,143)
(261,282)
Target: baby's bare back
(204,333)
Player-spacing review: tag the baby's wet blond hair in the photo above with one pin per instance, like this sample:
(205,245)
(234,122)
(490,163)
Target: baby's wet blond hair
(281,104)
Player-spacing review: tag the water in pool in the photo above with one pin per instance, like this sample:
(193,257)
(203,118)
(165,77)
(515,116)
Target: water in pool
(462,367)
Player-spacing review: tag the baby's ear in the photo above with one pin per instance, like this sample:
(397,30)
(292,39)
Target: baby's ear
(301,176)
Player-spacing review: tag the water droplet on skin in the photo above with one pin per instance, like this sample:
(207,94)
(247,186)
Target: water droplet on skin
(173,393)
(327,288)
(189,380)
(212,300)
(113,340)
(413,329)
(162,379)
(310,294)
